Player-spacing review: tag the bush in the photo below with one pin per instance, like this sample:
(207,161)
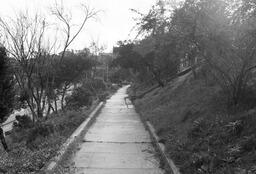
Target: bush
(95,86)
(29,133)
(23,122)
(34,144)
(68,121)
(38,144)
(21,127)
(83,95)
(40,130)
(79,98)
(103,96)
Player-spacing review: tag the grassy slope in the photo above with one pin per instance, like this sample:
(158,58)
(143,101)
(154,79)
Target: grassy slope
(30,159)
(190,117)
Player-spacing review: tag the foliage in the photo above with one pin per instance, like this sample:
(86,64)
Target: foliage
(229,54)
(203,34)
(198,131)
(72,69)
(215,36)
(32,148)
(146,61)
(84,94)
(23,121)
(95,86)
(127,57)
(39,131)
(27,41)
(79,98)
(120,75)
(6,86)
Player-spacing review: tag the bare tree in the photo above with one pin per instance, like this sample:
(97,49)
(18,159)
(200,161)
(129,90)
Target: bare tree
(25,38)
(68,28)
(66,18)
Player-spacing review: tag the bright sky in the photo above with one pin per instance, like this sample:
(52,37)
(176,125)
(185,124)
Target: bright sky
(114,22)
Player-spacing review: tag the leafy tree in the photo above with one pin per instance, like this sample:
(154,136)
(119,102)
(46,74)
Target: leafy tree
(219,36)
(127,56)
(156,55)
(71,71)
(6,91)
(129,59)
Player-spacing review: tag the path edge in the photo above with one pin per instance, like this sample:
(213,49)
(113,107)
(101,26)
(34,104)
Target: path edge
(160,147)
(54,162)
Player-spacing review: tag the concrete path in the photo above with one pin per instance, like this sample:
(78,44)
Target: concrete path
(117,143)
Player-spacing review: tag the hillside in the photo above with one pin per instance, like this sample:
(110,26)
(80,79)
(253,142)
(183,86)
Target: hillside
(200,134)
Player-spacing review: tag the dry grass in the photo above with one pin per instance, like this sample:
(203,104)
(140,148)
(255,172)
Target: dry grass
(31,158)
(176,105)
(191,118)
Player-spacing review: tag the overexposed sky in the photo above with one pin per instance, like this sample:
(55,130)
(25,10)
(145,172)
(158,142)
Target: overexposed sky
(113,23)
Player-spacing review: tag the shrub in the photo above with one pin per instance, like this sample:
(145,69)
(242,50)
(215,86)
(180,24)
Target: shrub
(32,147)
(79,98)
(103,96)
(94,86)
(235,128)
(41,130)
(21,127)
(68,122)
(23,122)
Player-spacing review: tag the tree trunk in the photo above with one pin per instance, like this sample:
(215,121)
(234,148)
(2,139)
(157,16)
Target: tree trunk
(63,96)
(32,110)
(55,104)
(50,107)
(2,138)
(39,111)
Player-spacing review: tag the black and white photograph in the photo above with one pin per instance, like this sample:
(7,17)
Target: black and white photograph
(127,86)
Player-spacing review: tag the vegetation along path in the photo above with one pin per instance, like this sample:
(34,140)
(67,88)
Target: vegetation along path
(117,143)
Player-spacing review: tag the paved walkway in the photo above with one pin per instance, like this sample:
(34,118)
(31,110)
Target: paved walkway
(117,143)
